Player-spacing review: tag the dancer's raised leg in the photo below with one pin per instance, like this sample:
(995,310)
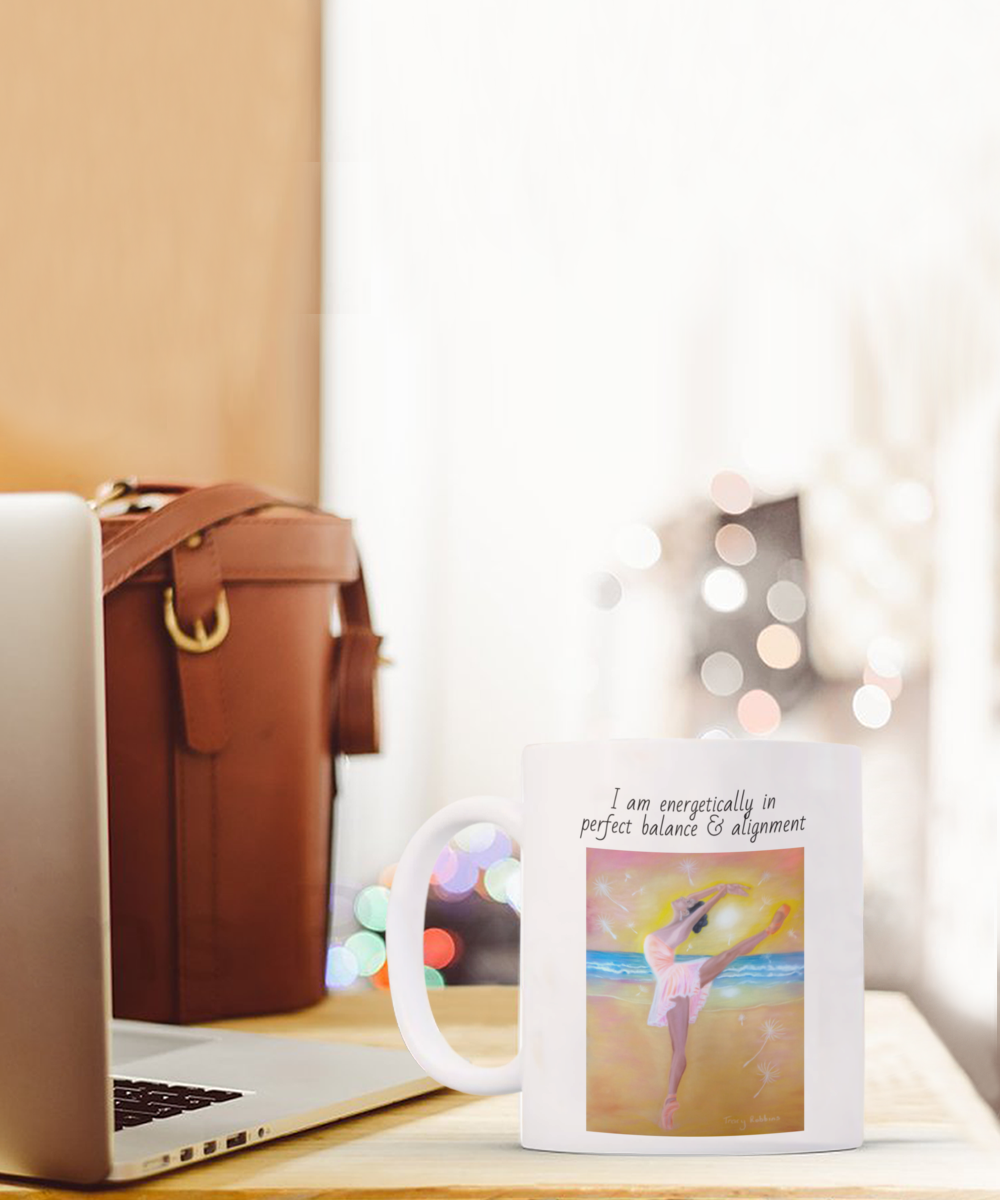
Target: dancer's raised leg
(714,966)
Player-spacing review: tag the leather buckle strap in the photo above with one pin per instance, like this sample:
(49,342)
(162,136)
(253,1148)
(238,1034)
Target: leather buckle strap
(197,592)
(201,642)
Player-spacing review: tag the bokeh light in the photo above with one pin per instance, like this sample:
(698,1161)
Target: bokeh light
(892,685)
(462,881)
(885,656)
(514,889)
(497,877)
(445,866)
(721,673)
(724,589)
(439,948)
(381,978)
(499,847)
(371,907)
(872,706)
(779,647)
(604,590)
(368,950)
(433,977)
(637,546)
(786,601)
(475,837)
(731,492)
(341,967)
(736,545)
(758,712)
(387,875)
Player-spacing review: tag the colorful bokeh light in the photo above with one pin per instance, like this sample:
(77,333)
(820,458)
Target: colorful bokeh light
(722,673)
(439,948)
(498,848)
(731,492)
(786,601)
(371,907)
(872,707)
(368,950)
(433,977)
(724,589)
(462,881)
(736,545)
(476,837)
(445,866)
(758,712)
(779,647)
(341,967)
(498,876)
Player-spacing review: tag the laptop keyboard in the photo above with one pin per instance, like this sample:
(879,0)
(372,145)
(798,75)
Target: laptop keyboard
(139,1101)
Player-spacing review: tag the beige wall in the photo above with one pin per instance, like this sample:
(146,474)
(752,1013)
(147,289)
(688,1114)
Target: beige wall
(159,241)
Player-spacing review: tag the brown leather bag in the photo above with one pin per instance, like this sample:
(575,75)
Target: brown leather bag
(227,698)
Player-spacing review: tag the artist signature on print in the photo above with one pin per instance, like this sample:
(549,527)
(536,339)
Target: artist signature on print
(742,1122)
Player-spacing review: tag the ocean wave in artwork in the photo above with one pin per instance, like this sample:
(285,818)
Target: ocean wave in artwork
(750,969)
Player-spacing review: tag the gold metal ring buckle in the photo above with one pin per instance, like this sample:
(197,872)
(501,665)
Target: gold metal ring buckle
(111,490)
(202,641)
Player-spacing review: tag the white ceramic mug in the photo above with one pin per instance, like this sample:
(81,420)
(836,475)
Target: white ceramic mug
(646,1029)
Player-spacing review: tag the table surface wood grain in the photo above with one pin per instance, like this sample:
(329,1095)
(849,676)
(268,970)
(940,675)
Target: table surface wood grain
(927,1132)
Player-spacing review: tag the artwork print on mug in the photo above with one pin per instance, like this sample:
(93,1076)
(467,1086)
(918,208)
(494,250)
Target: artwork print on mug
(692,958)
(695,1024)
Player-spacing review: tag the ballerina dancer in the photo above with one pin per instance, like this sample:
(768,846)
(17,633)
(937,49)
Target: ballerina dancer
(682,988)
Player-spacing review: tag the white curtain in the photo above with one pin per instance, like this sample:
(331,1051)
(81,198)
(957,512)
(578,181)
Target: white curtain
(579,257)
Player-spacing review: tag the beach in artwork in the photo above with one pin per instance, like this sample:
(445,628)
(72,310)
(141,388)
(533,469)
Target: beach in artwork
(744,1052)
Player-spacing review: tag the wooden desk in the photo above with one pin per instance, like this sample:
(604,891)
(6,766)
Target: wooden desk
(928,1133)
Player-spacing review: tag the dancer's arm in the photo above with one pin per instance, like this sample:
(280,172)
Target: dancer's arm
(682,904)
(706,891)
(735,889)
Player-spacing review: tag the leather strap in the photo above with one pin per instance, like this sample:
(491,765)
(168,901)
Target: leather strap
(355,709)
(187,514)
(197,584)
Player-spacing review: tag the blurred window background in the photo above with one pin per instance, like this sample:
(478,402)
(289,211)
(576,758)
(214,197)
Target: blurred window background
(662,373)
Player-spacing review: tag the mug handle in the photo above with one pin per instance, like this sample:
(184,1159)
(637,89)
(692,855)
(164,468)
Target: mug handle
(405,948)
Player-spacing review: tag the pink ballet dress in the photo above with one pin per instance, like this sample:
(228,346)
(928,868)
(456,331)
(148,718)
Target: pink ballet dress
(673,979)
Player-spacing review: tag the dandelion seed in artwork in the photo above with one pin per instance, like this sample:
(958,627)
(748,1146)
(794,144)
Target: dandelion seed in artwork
(770,1030)
(628,875)
(741,1018)
(686,866)
(793,934)
(639,890)
(766,902)
(766,875)
(606,925)
(768,1073)
(602,887)
(632,927)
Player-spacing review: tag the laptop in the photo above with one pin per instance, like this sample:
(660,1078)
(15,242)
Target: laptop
(84,1098)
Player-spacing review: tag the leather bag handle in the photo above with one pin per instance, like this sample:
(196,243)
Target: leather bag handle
(188,513)
(354,724)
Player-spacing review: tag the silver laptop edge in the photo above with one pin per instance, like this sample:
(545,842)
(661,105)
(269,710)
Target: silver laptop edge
(56,1114)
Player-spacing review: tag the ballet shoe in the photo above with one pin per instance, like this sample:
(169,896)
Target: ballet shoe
(670,1106)
(777,920)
